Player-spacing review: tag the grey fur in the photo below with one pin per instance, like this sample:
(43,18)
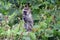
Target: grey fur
(29,21)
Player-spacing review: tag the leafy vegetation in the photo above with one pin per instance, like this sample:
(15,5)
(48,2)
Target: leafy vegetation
(46,16)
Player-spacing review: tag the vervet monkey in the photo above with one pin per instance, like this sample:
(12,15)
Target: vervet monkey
(27,17)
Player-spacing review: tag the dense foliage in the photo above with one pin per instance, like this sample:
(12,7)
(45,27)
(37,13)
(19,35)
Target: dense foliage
(46,16)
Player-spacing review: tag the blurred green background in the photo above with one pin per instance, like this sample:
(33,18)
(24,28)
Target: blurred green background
(46,16)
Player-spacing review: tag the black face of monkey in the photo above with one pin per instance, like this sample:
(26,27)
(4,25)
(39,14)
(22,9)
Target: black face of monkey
(25,13)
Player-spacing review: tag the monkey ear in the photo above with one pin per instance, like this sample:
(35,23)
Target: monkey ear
(29,4)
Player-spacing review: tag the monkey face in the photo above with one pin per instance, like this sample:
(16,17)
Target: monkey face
(25,12)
